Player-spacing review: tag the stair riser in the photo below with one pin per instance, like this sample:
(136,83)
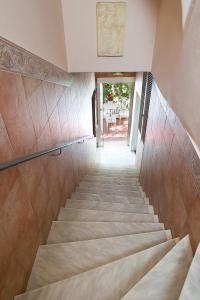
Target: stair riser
(109,192)
(106,198)
(63,232)
(113,171)
(109,186)
(113,177)
(115,174)
(70,214)
(108,180)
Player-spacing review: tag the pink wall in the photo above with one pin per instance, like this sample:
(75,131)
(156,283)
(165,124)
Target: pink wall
(170,171)
(176,65)
(80,34)
(36,115)
(185,10)
(36,26)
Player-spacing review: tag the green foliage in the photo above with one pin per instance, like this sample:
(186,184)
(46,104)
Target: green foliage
(115,92)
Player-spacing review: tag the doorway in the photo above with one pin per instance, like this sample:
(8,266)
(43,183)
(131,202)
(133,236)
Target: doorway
(116,105)
(114,109)
(114,116)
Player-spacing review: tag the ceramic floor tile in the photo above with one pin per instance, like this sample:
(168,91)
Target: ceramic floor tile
(21,131)
(12,94)
(38,110)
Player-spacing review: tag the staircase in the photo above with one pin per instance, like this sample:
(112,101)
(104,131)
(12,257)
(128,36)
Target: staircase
(108,244)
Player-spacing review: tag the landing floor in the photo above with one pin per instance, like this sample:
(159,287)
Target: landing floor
(116,154)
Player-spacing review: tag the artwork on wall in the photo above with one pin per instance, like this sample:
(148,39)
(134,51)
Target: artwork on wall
(111,18)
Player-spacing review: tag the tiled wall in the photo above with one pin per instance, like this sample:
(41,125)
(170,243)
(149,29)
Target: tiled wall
(170,171)
(35,115)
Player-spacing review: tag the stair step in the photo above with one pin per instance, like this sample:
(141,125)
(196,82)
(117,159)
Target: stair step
(191,288)
(63,232)
(114,169)
(118,175)
(108,186)
(75,214)
(109,198)
(120,172)
(110,281)
(108,191)
(100,205)
(119,186)
(60,261)
(110,180)
(113,172)
(165,280)
(113,176)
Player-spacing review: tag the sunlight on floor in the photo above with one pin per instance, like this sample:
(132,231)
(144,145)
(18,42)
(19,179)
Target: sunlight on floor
(115,154)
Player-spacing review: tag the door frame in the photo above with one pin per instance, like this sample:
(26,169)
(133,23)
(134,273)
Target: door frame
(112,80)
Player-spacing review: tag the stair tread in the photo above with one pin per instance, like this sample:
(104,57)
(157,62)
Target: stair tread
(114,278)
(108,190)
(70,214)
(62,231)
(106,180)
(114,177)
(109,171)
(101,205)
(191,288)
(59,261)
(104,186)
(108,198)
(165,280)
(114,169)
(107,184)
(113,173)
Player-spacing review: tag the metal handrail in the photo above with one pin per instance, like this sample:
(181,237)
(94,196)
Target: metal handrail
(20,160)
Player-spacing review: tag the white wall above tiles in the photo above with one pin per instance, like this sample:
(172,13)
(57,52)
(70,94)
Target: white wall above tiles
(81,40)
(36,26)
